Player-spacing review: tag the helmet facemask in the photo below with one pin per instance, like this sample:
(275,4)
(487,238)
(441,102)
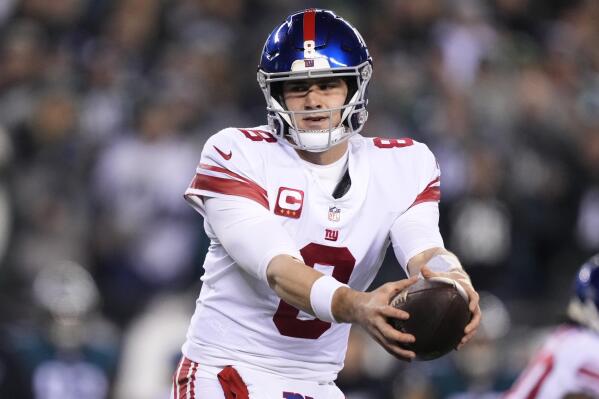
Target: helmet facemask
(584,313)
(284,122)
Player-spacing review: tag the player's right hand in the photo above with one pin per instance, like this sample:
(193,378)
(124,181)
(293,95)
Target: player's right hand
(371,310)
(460,276)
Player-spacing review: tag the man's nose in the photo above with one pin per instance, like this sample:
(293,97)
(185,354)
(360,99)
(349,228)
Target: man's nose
(313,98)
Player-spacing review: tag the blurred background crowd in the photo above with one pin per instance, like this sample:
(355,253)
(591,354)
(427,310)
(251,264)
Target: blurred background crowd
(105,106)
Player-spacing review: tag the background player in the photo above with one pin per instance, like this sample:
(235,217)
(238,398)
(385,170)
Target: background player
(300,213)
(568,362)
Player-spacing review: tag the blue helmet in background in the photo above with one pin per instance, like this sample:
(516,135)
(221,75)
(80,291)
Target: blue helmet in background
(584,306)
(315,44)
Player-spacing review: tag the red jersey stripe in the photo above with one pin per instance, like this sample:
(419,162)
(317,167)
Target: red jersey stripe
(437,180)
(235,175)
(230,187)
(431,192)
(310,24)
(536,372)
(548,363)
(589,373)
(428,195)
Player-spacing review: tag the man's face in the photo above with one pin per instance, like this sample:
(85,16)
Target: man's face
(315,95)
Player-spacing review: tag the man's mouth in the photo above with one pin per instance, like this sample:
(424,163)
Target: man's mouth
(315,118)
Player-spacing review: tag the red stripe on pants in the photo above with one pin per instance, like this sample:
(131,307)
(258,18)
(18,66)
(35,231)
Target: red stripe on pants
(192,379)
(184,379)
(176,377)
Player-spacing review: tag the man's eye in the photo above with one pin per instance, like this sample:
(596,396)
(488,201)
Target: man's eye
(298,88)
(329,85)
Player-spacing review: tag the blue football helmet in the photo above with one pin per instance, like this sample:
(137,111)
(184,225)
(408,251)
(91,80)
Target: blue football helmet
(308,45)
(584,306)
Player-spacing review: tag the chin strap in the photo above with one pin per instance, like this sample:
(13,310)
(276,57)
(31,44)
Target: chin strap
(317,140)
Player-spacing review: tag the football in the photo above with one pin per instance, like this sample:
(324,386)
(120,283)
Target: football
(438,309)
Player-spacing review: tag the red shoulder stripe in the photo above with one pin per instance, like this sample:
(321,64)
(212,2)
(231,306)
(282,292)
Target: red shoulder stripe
(431,193)
(235,175)
(230,187)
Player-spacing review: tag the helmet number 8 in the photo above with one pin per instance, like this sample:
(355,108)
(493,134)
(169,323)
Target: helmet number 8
(309,49)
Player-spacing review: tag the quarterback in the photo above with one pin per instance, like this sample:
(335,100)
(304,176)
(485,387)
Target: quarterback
(300,212)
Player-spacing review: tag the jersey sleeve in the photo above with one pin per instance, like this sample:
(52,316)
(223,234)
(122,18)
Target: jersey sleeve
(428,177)
(228,168)
(251,235)
(228,189)
(417,228)
(415,231)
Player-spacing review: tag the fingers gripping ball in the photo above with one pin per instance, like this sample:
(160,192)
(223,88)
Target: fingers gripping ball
(438,309)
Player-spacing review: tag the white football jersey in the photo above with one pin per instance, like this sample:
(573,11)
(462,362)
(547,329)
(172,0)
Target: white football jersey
(567,363)
(239,319)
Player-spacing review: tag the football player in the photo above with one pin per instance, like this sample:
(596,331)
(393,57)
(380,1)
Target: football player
(568,362)
(300,212)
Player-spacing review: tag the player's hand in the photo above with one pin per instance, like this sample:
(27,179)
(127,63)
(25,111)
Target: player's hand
(372,310)
(461,278)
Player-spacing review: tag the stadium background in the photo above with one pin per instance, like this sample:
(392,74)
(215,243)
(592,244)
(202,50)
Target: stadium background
(105,106)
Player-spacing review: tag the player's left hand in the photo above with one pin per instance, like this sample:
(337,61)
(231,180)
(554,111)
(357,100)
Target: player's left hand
(461,278)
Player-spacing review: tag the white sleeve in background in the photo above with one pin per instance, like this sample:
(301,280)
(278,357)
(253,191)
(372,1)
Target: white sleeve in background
(416,230)
(250,234)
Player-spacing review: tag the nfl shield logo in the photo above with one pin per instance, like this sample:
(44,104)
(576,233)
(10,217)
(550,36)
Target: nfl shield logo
(334,214)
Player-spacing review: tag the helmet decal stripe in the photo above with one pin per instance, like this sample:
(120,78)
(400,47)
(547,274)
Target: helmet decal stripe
(310,25)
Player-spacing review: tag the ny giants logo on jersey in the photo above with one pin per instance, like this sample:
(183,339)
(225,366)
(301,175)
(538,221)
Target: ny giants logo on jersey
(289,202)
(292,395)
(331,235)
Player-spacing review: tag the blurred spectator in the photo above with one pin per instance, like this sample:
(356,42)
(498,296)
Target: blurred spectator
(465,41)
(6,155)
(588,211)
(52,210)
(144,240)
(106,106)
(23,56)
(67,350)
